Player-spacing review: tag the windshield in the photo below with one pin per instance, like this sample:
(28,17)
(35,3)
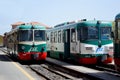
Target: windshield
(25,35)
(105,33)
(92,33)
(86,33)
(39,35)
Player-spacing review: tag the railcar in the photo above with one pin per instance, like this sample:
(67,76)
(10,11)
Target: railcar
(117,42)
(27,42)
(85,41)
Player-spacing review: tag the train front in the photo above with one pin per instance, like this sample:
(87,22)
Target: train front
(96,42)
(105,42)
(31,42)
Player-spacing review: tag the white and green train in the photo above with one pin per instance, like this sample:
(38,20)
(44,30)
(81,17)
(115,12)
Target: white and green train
(27,42)
(87,42)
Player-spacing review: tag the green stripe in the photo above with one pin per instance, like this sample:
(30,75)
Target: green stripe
(27,48)
(94,23)
(30,27)
(56,54)
(95,42)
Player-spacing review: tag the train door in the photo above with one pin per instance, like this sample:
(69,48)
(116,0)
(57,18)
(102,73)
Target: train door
(74,43)
(67,43)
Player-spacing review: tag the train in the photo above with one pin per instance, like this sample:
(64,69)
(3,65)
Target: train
(27,42)
(116,37)
(83,41)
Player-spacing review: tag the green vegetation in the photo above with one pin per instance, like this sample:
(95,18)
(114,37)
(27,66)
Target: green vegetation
(1,40)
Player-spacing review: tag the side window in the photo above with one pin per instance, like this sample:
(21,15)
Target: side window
(15,36)
(10,39)
(66,37)
(59,36)
(73,35)
(55,36)
(84,33)
(63,37)
(48,36)
(79,33)
(51,40)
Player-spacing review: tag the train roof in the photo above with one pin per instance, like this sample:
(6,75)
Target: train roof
(29,26)
(88,23)
(117,16)
(95,23)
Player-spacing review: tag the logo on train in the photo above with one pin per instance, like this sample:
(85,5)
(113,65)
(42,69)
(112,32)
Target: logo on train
(33,49)
(98,50)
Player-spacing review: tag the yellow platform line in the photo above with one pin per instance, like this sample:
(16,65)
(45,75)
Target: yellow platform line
(23,71)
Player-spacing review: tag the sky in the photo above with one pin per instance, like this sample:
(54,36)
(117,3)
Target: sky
(53,12)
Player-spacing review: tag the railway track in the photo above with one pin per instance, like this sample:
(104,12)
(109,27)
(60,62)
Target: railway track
(50,72)
(108,69)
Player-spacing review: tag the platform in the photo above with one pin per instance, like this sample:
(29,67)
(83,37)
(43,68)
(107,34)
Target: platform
(10,70)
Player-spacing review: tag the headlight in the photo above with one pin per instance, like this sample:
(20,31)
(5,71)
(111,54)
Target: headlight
(23,47)
(111,47)
(88,48)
